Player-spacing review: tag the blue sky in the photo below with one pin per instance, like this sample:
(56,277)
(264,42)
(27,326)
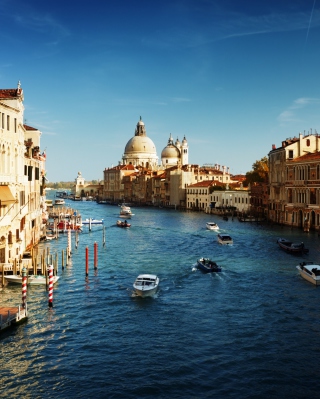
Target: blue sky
(233,76)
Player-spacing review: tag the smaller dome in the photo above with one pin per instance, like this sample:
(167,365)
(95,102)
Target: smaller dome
(170,151)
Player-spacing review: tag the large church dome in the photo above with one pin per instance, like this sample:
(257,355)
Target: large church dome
(140,149)
(140,144)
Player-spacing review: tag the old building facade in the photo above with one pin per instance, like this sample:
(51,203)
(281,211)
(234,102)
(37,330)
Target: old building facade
(22,179)
(294,181)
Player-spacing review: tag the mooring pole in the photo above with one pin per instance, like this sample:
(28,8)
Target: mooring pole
(87,261)
(24,287)
(95,256)
(50,286)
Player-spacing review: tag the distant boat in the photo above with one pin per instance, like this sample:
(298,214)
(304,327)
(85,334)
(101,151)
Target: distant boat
(121,223)
(207,265)
(292,247)
(92,221)
(212,226)
(59,201)
(125,211)
(225,239)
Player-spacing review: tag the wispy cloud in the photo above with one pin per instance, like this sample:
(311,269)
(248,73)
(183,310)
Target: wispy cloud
(289,115)
(180,100)
(220,24)
(41,23)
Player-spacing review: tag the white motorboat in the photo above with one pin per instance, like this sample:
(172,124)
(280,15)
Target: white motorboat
(31,280)
(310,272)
(146,285)
(225,239)
(212,226)
(59,201)
(92,221)
(125,211)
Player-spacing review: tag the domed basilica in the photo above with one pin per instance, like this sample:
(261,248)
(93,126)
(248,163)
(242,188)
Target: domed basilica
(141,151)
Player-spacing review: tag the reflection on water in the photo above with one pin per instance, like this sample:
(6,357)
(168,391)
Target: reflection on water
(248,327)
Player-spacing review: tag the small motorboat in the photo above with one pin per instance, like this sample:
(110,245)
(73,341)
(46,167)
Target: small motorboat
(310,272)
(146,285)
(59,201)
(212,226)
(31,280)
(207,265)
(92,221)
(225,239)
(292,247)
(121,223)
(125,212)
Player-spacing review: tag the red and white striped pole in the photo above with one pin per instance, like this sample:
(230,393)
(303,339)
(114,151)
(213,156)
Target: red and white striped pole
(95,245)
(87,261)
(50,286)
(24,287)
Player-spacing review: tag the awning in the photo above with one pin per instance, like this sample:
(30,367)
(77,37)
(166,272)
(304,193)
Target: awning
(6,197)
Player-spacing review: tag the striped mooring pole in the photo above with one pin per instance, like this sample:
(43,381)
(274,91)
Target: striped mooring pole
(24,287)
(50,286)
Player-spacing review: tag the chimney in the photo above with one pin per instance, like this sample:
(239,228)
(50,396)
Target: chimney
(273,146)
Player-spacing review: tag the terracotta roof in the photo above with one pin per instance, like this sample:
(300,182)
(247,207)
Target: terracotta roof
(29,127)
(206,183)
(10,93)
(313,156)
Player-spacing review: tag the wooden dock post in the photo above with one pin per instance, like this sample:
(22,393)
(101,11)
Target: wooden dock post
(56,264)
(15,266)
(62,259)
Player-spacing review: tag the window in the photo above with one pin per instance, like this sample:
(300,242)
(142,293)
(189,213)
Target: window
(29,173)
(8,122)
(290,154)
(15,125)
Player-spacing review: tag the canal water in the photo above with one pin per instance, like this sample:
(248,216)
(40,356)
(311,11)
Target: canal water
(252,331)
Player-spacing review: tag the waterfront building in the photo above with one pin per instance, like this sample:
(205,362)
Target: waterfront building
(113,188)
(87,190)
(295,182)
(22,179)
(303,191)
(212,196)
(259,198)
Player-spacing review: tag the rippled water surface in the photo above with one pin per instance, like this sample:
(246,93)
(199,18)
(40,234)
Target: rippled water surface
(251,331)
